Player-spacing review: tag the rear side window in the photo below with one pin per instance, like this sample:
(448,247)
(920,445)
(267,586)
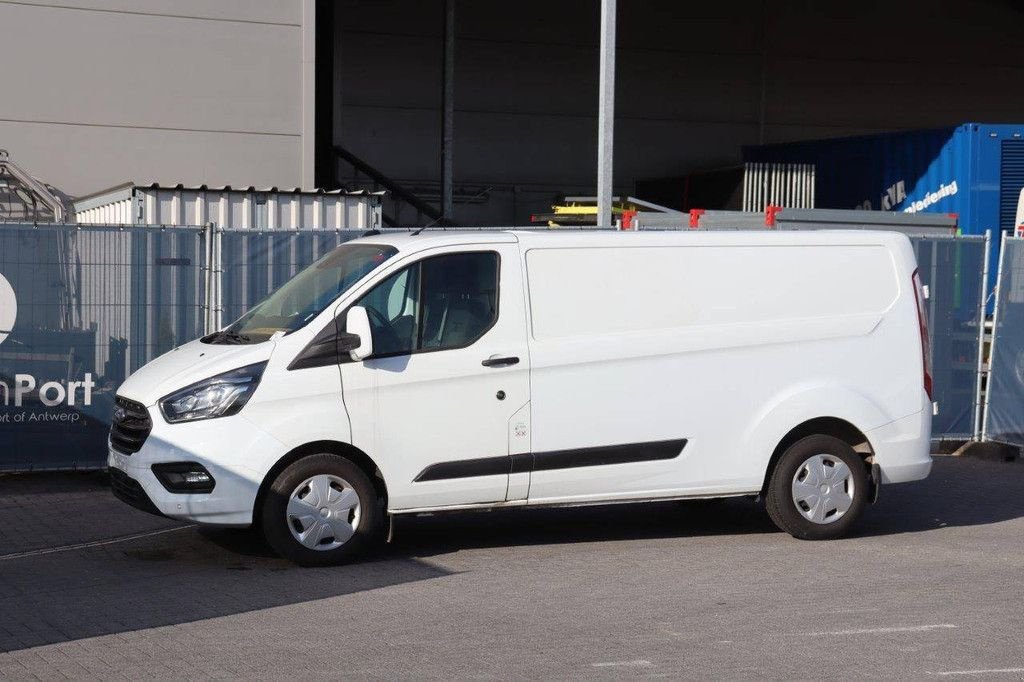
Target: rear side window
(439,303)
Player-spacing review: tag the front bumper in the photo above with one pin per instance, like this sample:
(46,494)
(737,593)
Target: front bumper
(903,448)
(226,447)
(128,490)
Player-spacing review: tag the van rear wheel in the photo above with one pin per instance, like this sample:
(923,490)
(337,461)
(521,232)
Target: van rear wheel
(322,510)
(818,490)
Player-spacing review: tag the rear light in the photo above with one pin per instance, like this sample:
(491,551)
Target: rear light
(922,321)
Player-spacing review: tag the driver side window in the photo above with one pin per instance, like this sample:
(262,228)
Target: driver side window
(392,309)
(436,304)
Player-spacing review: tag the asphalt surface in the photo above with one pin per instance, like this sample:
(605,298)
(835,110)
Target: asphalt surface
(932,587)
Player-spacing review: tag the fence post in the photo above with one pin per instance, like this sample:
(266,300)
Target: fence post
(218,279)
(207,270)
(995,333)
(983,300)
(206,278)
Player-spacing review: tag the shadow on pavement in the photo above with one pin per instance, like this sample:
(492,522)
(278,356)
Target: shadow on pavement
(959,492)
(183,574)
(179,576)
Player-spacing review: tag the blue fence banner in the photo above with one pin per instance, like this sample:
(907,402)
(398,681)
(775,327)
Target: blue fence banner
(83,308)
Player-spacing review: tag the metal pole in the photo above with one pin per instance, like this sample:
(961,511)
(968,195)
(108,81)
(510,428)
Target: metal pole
(448,111)
(762,113)
(746,187)
(218,280)
(814,170)
(995,333)
(606,114)
(983,296)
(208,279)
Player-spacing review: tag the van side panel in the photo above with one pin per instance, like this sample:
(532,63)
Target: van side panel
(600,292)
(718,344)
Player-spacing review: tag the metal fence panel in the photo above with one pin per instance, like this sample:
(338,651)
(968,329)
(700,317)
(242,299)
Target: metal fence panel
(90,306)
(256,262)
(96,303)
(953,271)
(1004,414)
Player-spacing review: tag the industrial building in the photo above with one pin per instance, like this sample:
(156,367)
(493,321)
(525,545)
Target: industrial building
(315,93)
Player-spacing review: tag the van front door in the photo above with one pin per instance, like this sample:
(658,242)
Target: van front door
(434,402)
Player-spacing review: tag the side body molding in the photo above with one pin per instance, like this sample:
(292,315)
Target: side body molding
(558,459)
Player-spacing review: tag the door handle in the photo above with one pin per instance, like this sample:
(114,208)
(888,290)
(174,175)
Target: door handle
(498,361)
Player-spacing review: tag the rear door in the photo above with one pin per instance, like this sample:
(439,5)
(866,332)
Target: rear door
(434,403)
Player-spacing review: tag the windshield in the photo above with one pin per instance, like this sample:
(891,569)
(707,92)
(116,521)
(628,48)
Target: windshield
(305,295)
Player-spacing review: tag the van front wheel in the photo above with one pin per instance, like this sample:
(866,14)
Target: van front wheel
(818,490)
(322,510)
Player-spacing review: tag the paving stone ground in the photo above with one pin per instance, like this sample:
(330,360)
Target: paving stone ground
(931,587)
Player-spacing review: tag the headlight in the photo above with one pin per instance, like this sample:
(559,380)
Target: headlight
(219,396)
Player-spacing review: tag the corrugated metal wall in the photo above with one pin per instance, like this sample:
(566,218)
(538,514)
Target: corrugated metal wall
(1011,180)
(778,184)
(232,209)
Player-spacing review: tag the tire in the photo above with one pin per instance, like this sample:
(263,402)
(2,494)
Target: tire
(806,496)
(322,510)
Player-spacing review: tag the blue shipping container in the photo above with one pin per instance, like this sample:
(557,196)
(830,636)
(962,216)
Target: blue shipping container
(975,170)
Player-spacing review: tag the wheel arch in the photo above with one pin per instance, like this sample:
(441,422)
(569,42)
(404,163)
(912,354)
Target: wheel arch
(346,450)
(832,409)
(827,426)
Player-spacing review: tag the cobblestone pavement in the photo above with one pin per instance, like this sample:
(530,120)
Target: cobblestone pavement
(931,587)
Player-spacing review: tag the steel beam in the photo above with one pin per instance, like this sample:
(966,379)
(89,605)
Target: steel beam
(606,114)
(447,112)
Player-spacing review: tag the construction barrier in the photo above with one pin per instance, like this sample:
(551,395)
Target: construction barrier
(81,307)
(1004,411)
(953,269)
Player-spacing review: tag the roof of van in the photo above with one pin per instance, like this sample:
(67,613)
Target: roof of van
(409,242)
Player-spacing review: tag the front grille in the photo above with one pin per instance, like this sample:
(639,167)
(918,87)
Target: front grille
(128,490)
(130,426)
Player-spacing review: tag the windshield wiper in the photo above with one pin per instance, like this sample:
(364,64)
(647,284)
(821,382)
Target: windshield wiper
(226,337)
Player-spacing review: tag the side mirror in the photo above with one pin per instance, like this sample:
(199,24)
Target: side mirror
(357,323)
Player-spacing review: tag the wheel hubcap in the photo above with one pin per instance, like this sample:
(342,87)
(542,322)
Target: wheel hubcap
(823,489)
(323,512)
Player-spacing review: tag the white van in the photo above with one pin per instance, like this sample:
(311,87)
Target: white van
(467,370)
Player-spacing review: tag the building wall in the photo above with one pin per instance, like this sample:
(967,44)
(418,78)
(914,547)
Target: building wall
(695,82)
(96,92)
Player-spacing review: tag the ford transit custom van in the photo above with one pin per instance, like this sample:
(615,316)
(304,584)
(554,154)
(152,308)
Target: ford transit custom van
(404,373)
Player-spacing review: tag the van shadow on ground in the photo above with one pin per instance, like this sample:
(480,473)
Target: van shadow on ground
(184,574)
(959,492)
(176,577)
